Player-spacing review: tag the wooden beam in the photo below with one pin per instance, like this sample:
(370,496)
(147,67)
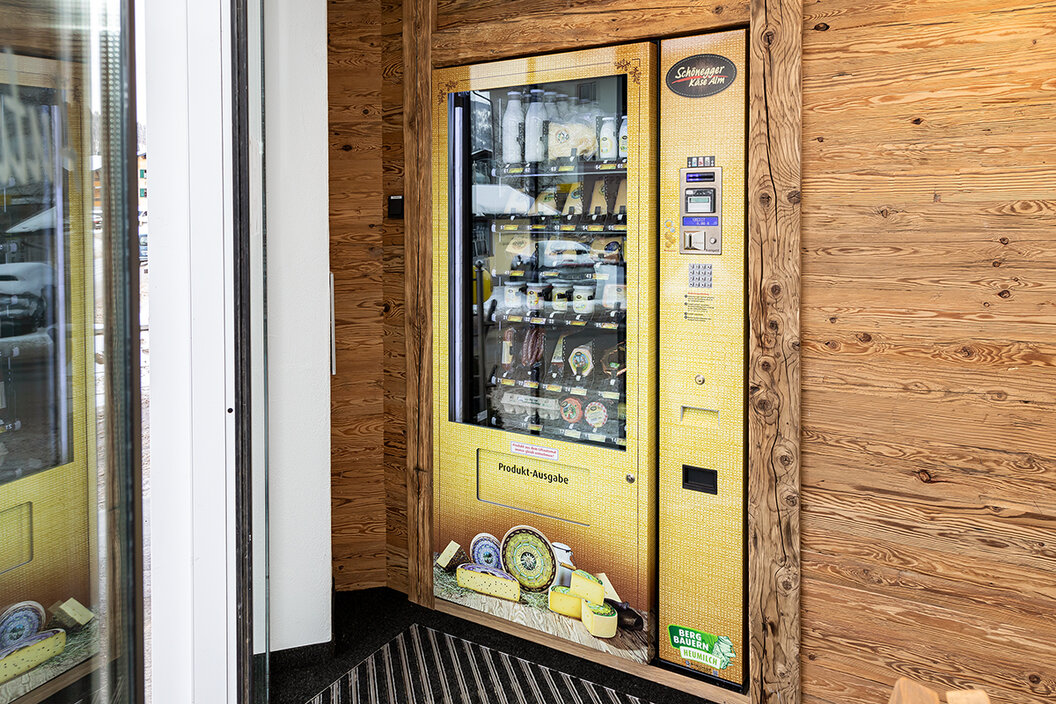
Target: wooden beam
(484,30)
(419,21)
(774,148)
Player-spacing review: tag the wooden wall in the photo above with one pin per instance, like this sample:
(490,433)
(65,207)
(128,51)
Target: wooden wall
(929,345)
(928,236)
(366,255)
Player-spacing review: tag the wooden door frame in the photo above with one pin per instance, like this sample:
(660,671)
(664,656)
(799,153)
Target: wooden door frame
(773,413)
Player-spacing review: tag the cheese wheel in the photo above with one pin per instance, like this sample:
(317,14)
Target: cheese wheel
(564,602)
(600,619)
(488,580)
(587,586)
(485,550)
(30,652)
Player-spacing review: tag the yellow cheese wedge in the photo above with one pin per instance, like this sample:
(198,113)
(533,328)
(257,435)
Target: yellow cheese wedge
(70,614)
(587,586)
(452,556)
(600,619)
(564,602)
(488,580)
(21,660)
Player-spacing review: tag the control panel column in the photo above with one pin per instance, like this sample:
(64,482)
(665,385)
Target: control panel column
(702,326)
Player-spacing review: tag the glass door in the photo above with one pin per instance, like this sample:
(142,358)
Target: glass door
(71,618)
(538,245)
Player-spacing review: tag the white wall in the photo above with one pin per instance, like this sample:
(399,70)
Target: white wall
(298,313)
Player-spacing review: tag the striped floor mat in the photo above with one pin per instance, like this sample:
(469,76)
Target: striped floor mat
(425,666)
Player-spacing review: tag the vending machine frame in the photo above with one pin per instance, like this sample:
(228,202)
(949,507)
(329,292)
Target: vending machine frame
(606,483)
(772,415)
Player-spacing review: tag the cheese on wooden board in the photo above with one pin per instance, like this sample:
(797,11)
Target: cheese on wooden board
(488,580)
(600,619)
(610,591)
(38,648)
(587,586)
(563,601)
(452,556)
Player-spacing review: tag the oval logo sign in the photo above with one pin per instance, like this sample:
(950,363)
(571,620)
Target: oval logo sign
(701,75)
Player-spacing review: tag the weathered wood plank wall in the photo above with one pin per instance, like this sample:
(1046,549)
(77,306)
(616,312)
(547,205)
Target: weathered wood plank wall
(929,341)
(928,242)
(357,234)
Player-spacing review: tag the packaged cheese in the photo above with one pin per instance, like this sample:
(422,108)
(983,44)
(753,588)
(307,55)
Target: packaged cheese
(575,137)
(621,197)
(488,580)
(600,619)
(546,202)
(563,601)
(574,202)
(587,586)
(599,201)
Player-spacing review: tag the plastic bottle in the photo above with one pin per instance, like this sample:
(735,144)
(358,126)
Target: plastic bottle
(534,138)
(607,146)
(513,130)
(623,137)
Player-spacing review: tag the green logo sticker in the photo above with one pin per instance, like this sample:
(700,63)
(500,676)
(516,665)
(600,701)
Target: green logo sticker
(714,651)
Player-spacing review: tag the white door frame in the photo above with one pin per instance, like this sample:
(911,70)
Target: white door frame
(193,512)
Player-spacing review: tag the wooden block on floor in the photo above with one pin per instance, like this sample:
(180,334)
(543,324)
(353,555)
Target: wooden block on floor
(967,696)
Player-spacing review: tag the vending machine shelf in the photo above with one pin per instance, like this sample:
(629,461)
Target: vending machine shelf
(560,168)
(612,320)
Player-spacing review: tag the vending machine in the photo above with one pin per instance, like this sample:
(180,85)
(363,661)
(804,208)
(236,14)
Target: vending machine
(578,211)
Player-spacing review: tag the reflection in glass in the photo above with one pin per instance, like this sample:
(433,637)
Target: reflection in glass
(538,222)
(69,377)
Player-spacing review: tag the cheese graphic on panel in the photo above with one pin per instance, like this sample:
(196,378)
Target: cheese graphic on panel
(563,601)
(600,619)
(587,586)
(488,580)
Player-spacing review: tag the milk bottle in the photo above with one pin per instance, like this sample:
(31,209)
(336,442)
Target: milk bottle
(534,136)
(623,138)
(607,138)
(513,129)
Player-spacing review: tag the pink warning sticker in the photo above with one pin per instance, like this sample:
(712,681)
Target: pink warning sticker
(543,453)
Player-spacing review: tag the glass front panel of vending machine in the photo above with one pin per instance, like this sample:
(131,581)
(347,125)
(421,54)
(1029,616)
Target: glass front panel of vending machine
(544,289)
(540,335)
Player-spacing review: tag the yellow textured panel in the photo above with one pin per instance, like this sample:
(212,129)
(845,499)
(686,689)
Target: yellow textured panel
(702,328)
(63,497)
(534,486)
(611,526)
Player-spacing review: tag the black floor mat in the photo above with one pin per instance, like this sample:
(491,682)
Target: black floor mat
(365,621)
(424,665)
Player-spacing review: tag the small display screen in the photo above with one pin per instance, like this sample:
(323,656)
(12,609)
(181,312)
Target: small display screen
(700,222)
(700,204)
(700,176)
